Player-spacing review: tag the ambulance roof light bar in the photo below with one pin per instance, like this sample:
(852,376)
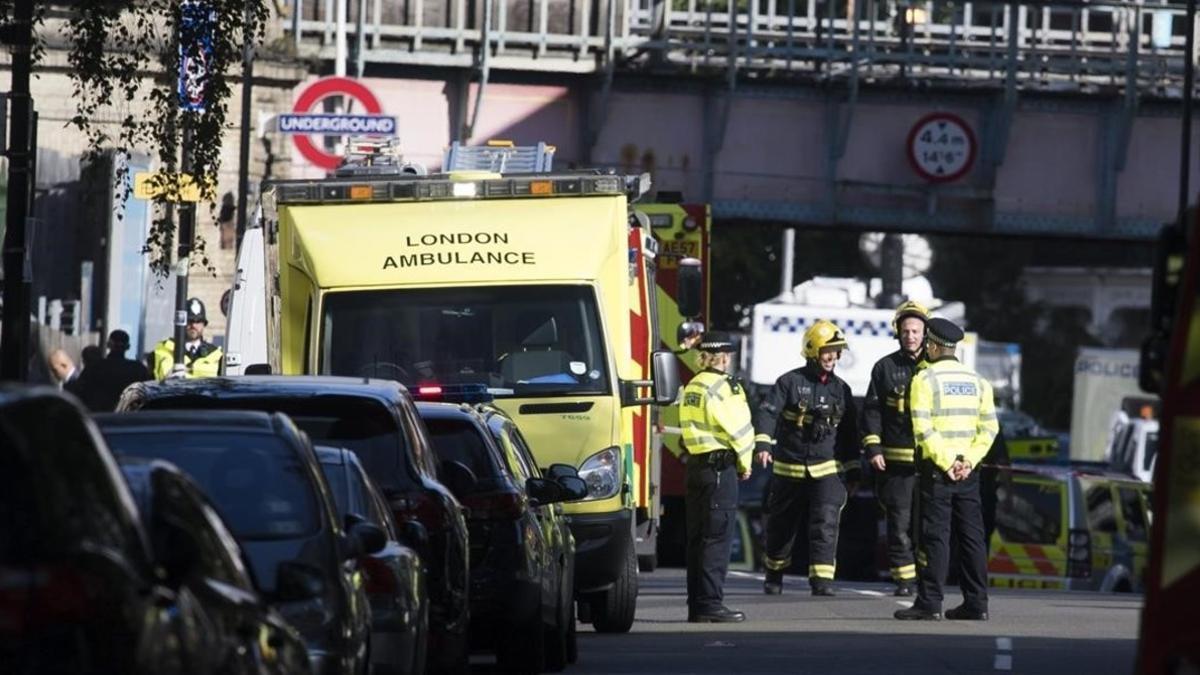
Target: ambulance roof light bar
(370,156)
(500,157)
(444,188)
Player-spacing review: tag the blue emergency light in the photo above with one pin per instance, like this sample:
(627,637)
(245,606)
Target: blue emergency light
(454,393)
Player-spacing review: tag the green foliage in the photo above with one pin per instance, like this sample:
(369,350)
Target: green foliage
(127,55)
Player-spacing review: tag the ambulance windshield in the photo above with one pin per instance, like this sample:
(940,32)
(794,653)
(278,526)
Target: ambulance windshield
(532,340)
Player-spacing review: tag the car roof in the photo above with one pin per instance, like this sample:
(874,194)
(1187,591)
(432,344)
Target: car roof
(11,393)
(437,410)
(192,420)
(276,386)
(1085,470)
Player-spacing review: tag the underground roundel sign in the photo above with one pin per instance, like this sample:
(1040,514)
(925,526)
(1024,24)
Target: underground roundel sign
(941,147)
(302,123)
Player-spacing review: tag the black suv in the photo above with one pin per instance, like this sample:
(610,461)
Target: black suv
(522,551)
(195,551)
(378,421)
(262,475)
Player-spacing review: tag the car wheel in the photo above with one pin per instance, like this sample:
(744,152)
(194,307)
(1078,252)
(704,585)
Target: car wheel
(612,611)
(523,652)
(556,646)
(572,637)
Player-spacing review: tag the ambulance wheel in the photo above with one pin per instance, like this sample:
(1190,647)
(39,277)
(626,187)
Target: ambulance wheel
(612,610)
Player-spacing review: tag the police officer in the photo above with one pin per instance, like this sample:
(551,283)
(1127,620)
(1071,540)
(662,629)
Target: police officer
(202,357)
(807,433)
(888,440)
(954,422)
(719,439)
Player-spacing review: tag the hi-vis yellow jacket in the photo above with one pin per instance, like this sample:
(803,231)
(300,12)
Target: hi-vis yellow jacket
(715,416)
(953,413)
(206,362)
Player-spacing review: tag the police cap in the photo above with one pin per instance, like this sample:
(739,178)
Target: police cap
(716,342)
(943,332)
(195,311)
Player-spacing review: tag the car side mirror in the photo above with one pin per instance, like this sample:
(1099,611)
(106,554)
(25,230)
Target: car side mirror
(363,537)
(557,471)
(257,369)
(414,534)
(544,491)
(689,285)
(297,582)
(666,377)
(458,477)
(574,488)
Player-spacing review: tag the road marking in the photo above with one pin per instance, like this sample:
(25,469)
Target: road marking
(873,594)
(1003,662)
(1003,644)
(747,575)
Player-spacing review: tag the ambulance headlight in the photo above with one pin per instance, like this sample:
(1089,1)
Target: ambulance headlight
(602,473)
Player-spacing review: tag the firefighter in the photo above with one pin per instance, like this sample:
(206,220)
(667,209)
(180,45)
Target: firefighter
(719,439)
(888,440)
(807,433)
(954,422)
(202,357)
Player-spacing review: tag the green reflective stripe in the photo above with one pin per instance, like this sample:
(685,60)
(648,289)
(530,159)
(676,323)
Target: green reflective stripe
(789,470)
(744,431)
(777,564)
(923,414)
(958,434)
(899,454)
(871,439)
(987,417)
(826,468)
(696,424)
(822,571)
(714,389)
(764,438)
(904,573)
(789,415)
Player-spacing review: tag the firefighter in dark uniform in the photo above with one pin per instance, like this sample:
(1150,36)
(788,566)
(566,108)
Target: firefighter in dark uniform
(719,439)
(954,423)
(202,357)
(807,434)
(888,440)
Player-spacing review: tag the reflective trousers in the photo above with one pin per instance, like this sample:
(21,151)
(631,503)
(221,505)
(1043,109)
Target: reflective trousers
(895,487)
(711,501)
(815,501)
(947,504)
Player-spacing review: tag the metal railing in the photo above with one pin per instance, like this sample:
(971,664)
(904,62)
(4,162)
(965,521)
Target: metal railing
(1071,46)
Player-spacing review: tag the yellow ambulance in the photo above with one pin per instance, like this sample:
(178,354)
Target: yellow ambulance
(499,272)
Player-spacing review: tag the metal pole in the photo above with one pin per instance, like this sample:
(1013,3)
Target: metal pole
(787,282)
(339,40)
(187,232)
(360,40)
(1189,76)
(14,361)
(244,139)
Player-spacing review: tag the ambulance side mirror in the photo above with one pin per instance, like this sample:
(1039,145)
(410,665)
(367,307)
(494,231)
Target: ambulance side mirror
(689,289)
(666,377)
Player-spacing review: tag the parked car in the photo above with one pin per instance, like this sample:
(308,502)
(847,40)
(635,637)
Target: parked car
(241,633)
(395,576)
(78,589)
(522,551)
(375,419)
(262,474)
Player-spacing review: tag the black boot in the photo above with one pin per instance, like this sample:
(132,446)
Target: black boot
(904,589)
(774,583)
(964,613)
(822,589)
(720,614)
(915,613)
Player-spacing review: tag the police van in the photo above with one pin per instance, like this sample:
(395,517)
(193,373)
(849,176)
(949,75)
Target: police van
(1069,527)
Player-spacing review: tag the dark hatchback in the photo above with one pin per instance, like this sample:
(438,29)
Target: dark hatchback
(522,551)
(378,421)
(191,545)
(395,576)
(262,474)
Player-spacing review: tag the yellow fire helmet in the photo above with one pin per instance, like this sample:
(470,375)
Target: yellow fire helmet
(906,309)
(822,334)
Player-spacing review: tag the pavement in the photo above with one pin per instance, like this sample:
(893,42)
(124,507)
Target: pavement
(1064,633)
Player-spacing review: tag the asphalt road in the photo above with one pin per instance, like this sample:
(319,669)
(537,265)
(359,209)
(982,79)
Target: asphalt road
(1029,632)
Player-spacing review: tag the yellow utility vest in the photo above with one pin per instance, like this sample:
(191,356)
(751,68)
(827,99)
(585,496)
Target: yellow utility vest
(208,365)
(715,416)
(953,413)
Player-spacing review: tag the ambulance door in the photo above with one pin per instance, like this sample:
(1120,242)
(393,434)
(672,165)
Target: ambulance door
(1029,545)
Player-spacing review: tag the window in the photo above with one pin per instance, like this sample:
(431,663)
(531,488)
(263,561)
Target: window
(522,451)
(1131,512)
(1029,511)
(534,340)
(1102,514)
(181,512)
(256,481)
(459,440)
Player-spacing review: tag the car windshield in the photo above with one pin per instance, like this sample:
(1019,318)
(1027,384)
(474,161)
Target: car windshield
(255,480)
(530,340)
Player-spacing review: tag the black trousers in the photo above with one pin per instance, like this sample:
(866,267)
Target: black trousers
(817,502)
(895,487)
(711,521)
(946,504)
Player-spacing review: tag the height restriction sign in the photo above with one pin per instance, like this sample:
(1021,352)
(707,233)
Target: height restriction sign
(941,147)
